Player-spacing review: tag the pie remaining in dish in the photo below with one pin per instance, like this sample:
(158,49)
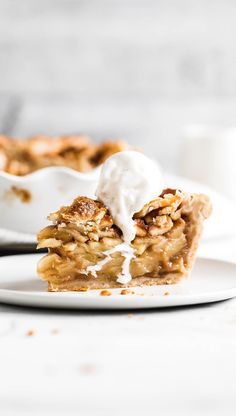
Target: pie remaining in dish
(168,230)
(21,157)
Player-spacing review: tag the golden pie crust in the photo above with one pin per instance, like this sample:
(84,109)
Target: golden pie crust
(168,230)
(21,157)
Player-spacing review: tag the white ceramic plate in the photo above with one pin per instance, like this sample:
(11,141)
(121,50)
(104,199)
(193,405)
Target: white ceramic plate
(211,281)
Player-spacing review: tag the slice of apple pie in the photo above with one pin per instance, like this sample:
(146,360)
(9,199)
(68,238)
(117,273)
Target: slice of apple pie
(84,235)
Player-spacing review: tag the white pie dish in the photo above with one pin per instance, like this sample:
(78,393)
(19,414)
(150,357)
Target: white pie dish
(26,201)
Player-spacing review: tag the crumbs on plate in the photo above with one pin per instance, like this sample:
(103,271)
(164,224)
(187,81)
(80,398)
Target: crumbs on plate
(127,292)
(105,293)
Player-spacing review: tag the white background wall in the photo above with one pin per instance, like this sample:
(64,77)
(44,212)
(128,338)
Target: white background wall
(137,69)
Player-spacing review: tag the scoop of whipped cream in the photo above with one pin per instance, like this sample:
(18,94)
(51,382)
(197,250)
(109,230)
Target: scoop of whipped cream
(128,180)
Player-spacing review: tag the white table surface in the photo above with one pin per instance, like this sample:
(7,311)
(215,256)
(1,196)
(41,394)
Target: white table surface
(180,361)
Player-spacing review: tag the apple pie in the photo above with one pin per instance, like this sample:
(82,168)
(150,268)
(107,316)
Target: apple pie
(168,230)
(21,157)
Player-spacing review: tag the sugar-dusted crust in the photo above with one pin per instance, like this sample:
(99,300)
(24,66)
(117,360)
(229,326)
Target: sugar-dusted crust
(20,157)
(167,235)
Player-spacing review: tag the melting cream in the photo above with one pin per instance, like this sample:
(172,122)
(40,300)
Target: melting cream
(128,180)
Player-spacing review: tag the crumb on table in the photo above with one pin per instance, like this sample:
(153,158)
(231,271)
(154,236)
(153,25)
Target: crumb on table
(30,333)
(88,368)
(55,331)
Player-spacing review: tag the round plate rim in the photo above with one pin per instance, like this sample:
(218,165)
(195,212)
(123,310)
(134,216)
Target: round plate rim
(49,300)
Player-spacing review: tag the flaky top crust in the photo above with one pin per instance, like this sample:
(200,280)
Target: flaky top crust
(82,210)
(86,210)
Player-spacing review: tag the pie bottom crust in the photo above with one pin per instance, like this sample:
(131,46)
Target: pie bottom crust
(168,231)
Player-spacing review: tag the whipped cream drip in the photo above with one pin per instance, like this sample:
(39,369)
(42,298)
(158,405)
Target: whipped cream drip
(126,251)
(128,180)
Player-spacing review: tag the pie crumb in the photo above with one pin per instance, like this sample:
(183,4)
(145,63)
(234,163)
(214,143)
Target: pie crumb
(30,333)
(105,293)
(87,369)
(83,289)
(130,315)
(127,292)
(55,331)
(166,293)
